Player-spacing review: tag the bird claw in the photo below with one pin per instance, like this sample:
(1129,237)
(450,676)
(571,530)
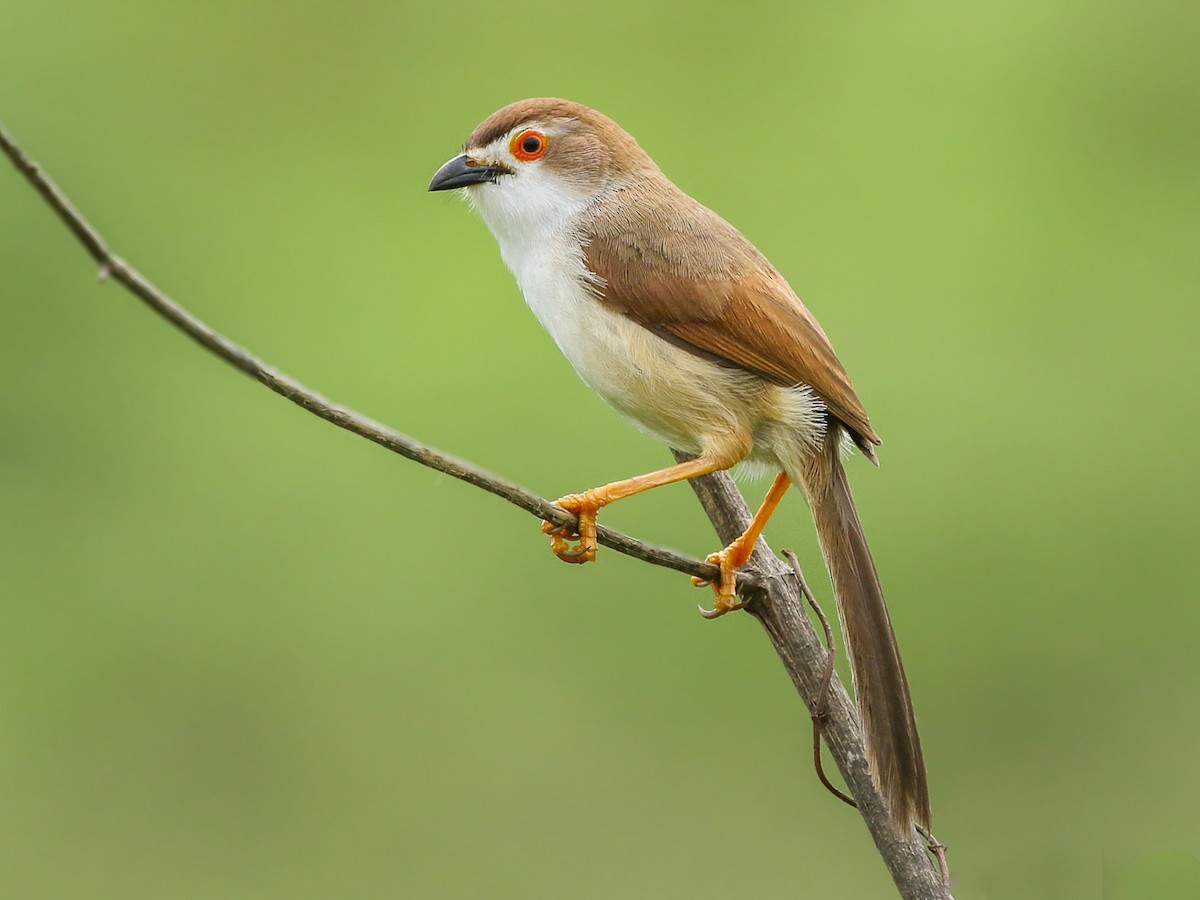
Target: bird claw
(725,588)
(719,609)
(585,506)
(577,555)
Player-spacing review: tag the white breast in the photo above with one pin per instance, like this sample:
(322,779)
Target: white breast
(534,223)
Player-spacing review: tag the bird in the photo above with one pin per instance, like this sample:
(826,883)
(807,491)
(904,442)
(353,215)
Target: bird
(678,321)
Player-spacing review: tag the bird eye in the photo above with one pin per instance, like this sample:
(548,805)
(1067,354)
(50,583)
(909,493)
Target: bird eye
(529,145)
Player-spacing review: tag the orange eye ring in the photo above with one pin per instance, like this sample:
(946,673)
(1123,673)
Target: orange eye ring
(529,145)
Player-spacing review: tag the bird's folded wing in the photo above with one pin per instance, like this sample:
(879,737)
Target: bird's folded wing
(683,272)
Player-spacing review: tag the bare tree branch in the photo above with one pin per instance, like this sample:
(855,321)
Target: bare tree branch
(773,590)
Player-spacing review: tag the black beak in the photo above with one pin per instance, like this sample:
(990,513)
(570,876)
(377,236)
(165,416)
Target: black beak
(462,171)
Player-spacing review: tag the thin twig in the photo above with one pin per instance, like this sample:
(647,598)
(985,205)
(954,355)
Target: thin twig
(820,703)
(938,849)
(112,266)
(773,593)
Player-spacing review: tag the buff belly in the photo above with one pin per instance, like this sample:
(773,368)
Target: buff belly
(685,401)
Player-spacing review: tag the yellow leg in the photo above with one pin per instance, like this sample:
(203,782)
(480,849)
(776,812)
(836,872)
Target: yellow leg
(736,554)
(587,504)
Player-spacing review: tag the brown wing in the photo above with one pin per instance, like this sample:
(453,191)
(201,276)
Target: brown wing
(682,271)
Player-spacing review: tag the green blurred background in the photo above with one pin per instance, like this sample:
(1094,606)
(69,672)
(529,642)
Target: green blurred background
(243,654)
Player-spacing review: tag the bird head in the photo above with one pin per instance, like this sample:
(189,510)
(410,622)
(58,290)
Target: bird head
(535,162)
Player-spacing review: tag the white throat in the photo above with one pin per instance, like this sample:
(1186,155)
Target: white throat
(528,209)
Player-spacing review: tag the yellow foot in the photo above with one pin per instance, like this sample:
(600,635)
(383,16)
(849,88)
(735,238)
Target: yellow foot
(585,506)
(725,589)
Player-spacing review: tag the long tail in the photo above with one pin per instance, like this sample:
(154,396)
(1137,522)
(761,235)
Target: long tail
(893,747)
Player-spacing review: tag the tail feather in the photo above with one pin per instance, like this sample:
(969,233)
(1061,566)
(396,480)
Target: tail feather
(893,746)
